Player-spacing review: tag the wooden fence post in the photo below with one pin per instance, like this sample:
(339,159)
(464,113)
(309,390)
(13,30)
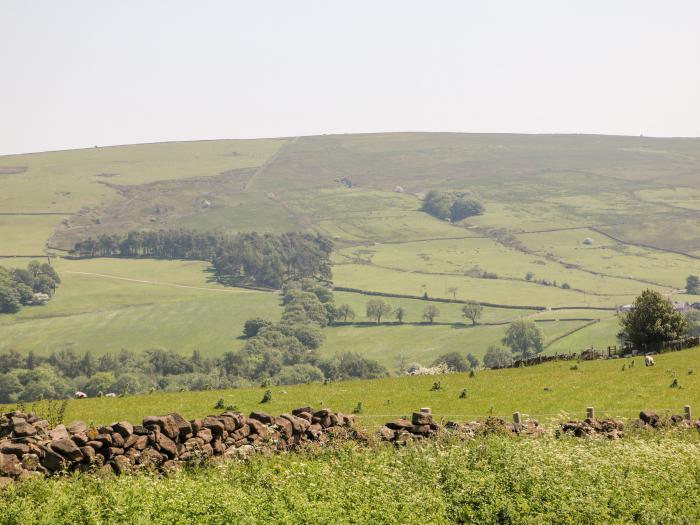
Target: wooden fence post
(688,413)
(517,420)
(590,413)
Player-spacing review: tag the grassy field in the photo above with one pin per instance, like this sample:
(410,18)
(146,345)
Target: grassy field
(548,392)
(543,194)
(494,480)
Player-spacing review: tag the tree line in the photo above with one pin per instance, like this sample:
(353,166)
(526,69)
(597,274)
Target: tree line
(31,286)
(280,353)
(246,258)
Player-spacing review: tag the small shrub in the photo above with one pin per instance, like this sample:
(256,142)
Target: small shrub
(232,408)
(358,408)
(463,394)
(691,371)
(220,404)
(574,367)
(675,383)
(437,385)
(472,373)
(267,397)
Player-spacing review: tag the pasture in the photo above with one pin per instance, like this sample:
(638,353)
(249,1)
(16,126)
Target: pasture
(632,196)
(549,392)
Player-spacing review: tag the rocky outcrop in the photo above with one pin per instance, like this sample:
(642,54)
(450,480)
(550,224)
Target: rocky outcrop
(609,428)
(28,447)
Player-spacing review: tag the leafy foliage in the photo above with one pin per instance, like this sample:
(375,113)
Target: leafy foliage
(524,339)
(651,320)
(263,259)
(454,206)
(20,287)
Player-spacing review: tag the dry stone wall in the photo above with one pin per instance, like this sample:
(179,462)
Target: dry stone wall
(28,447)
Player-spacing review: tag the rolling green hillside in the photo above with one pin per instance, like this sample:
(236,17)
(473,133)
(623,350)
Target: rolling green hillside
(548,393)
(633,199)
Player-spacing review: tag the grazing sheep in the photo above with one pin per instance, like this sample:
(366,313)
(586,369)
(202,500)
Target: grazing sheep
(649,361)
(111,394)
(80,395)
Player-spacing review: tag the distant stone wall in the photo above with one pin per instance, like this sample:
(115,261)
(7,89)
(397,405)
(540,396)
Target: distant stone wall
(28,447)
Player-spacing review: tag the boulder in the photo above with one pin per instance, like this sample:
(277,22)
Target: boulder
(67,448)
(105,439)
(213,424)
(88,455)
(167,425)
(205,435)
(16,449)
(59,432)
(167,445)
(117,440)
(258,428)
(22,428)
(386,433)
(124,429)
(80,439)
(285,426)
(10,465)
(265,419)
(76,427)
(52,461)
(183,425)
(121,464)
(649,417)
(400,424)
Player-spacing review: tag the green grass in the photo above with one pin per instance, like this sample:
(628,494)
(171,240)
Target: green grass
(494,480)
(602,384)
(109,304)
(638,189)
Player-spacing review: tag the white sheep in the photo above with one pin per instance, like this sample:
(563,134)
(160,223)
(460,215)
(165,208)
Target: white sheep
(80,395)
(111,394)
(649,361)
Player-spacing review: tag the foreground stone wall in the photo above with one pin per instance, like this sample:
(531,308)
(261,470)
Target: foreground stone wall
(28,447)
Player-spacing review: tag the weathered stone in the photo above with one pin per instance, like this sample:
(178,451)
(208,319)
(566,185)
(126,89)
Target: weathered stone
(386,433)
(76,427)
(17,449)
(183,425)
(151,458)
(207,449)
(229,422)
(242,432)
(421,430)
(131,440)
(167,445)
(23,429)
(649,417)
(167,425)
(301,410)
(265,419)
(52,461)
(205,435)
(59,432)
(88,454)
(97,445)
(10,465)
(80,439)
(105,439)
(140,430)
(285,426)
(213,424)
(117,440)
(121,464)
(258,428)
(421,418)
(196,425)
(400,424)
(111,452)
(124,429)
(67,448)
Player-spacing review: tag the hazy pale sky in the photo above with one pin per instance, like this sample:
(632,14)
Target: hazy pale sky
(84,73)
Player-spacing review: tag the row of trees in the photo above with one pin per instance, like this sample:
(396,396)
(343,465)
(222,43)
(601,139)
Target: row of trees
(250,258)
(452,205)
(34,285)
(378,309)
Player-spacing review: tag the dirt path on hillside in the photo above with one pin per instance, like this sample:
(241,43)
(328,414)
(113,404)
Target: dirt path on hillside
(160,283)
(268,162)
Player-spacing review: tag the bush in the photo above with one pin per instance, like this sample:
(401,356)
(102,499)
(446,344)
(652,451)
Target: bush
(296,374)
(454,361)
(497,357)
(253,326)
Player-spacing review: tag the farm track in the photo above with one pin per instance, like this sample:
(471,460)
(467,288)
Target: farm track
(267,163)
(160,283)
